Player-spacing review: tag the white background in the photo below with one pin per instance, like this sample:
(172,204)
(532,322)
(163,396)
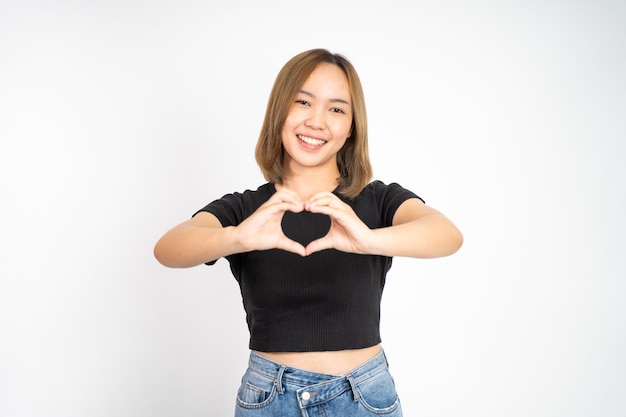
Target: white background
(119,119)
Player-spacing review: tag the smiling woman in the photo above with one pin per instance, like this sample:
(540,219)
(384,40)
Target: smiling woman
(297,85)
(318,124)
(311,248)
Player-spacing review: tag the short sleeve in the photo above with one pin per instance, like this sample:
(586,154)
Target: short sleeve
(228,209)
(390,197)
(234,208)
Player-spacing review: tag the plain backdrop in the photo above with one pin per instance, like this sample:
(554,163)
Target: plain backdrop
(119,119)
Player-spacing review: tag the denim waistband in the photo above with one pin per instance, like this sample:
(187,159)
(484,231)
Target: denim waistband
(313,388)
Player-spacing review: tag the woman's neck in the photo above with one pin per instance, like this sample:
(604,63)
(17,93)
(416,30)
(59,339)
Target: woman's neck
(308,185)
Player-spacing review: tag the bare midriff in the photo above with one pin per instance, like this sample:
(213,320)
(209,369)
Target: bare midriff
(330,362)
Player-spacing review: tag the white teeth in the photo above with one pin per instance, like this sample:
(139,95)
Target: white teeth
(311,141)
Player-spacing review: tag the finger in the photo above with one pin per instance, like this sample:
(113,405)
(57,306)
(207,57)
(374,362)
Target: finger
(287,195)
(318,245)
(324,196)
(287,206)
(324,203)
(292,246)
(330,208)
(285,201)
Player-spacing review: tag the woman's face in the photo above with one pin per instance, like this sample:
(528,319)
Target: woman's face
(319,121)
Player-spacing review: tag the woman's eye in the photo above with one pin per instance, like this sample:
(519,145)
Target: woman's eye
(337,110)
(303,102)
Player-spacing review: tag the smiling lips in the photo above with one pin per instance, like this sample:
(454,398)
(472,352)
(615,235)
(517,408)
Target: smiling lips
(311,141)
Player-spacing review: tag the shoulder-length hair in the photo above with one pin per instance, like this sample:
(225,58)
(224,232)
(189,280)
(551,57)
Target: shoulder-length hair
(353,161)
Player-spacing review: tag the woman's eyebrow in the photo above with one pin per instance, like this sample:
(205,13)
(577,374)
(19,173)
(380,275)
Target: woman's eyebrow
(332,100)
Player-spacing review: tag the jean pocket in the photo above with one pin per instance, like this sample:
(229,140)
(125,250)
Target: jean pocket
(256,390)
(378,394)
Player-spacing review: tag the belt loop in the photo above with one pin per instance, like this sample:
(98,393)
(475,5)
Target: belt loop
(355,391)
(279,380)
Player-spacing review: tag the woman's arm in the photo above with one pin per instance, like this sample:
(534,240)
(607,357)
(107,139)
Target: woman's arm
(198,240)
(418,231)
(202,238)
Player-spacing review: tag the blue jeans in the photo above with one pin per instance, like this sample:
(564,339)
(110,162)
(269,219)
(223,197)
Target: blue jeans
(269,389)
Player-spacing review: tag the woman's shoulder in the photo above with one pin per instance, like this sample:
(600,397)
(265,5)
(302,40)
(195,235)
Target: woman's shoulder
(386,195)
(379,189)
(263,191)
(234,207)
(378,202)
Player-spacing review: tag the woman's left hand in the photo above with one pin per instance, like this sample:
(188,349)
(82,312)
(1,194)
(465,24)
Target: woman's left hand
(347,231)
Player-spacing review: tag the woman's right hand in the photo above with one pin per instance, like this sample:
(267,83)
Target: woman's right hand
(203,238)
(262,230)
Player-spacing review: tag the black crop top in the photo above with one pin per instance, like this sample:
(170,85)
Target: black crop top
(329,300)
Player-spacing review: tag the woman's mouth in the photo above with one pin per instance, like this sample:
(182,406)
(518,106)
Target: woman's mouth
(311,141)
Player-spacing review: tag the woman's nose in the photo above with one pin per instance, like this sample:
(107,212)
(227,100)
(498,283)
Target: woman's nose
(316,119)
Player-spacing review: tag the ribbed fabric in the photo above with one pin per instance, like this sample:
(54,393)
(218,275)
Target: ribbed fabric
(329,300)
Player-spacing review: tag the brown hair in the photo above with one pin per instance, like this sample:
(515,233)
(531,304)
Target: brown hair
(352,159)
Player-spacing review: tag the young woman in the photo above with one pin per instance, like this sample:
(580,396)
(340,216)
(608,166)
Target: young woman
(311,249)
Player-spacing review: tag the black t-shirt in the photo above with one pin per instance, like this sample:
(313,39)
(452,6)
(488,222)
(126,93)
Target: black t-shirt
(329,300)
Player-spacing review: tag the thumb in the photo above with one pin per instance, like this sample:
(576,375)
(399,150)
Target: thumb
(318,245)
(292,246)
